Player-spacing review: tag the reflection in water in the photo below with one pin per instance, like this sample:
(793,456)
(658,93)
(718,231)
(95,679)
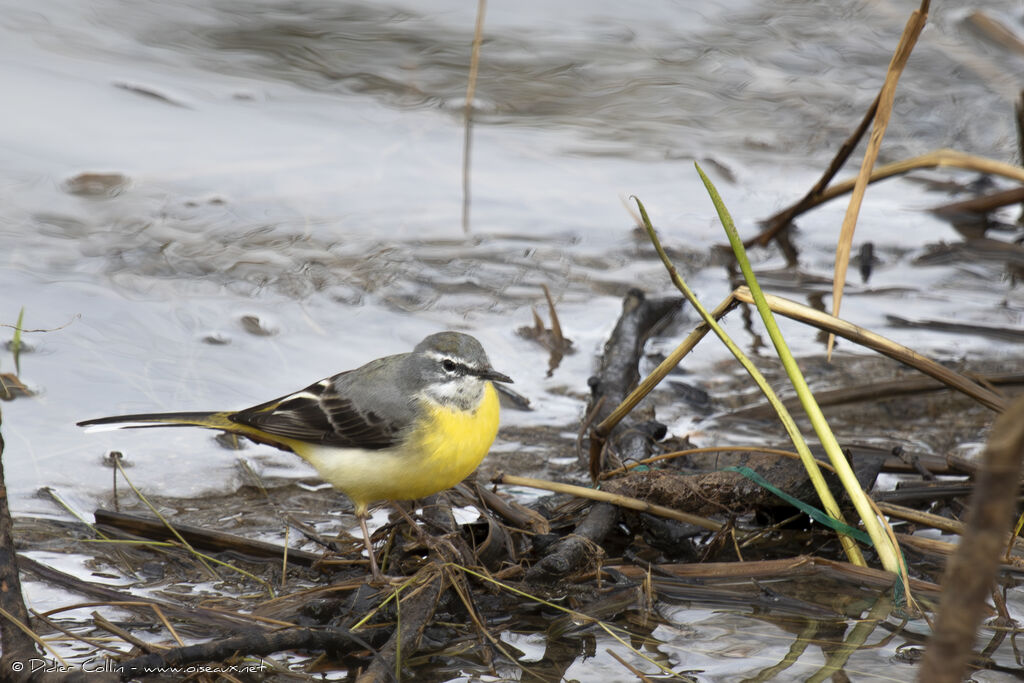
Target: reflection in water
(559,655)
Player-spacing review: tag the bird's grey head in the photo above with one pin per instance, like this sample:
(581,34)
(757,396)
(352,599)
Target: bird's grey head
(452,368)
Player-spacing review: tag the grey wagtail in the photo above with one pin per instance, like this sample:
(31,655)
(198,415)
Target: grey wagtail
(398,428)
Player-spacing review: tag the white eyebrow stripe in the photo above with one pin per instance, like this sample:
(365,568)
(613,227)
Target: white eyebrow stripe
(444,356)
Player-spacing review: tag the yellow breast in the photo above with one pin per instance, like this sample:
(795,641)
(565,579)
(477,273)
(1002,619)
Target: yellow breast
(446,447)
(451,444)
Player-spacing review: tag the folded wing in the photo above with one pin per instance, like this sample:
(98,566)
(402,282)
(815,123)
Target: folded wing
(320,414)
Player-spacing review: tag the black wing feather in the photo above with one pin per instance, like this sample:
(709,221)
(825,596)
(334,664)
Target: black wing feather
(320,414)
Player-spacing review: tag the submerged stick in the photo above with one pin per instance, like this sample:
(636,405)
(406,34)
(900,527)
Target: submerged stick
(619,372)
(204,539)
(111,596)
(782,219)
(788,568)
(253,643)
(659,373)
(983,204)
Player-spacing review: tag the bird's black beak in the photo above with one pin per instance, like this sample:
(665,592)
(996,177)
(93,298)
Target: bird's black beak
(493,375)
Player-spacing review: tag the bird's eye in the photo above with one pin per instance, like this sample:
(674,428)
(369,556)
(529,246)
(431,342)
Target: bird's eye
(448,365)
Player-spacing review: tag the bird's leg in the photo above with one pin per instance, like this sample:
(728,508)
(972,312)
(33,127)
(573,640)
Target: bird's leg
(377,578)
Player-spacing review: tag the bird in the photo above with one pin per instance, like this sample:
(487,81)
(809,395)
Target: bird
(400,427)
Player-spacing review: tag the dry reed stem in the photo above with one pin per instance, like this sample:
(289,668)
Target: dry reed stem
(605,497)
(944,524)
(885,346)
(474,68)
(886,98)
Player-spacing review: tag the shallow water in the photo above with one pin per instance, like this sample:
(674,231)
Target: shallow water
(281,196)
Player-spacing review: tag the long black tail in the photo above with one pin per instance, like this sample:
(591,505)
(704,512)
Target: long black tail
(210,420)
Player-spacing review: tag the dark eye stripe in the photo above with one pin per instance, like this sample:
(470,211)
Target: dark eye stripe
(451,366)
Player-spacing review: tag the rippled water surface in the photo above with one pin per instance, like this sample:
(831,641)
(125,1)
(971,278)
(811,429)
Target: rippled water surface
(214,203)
